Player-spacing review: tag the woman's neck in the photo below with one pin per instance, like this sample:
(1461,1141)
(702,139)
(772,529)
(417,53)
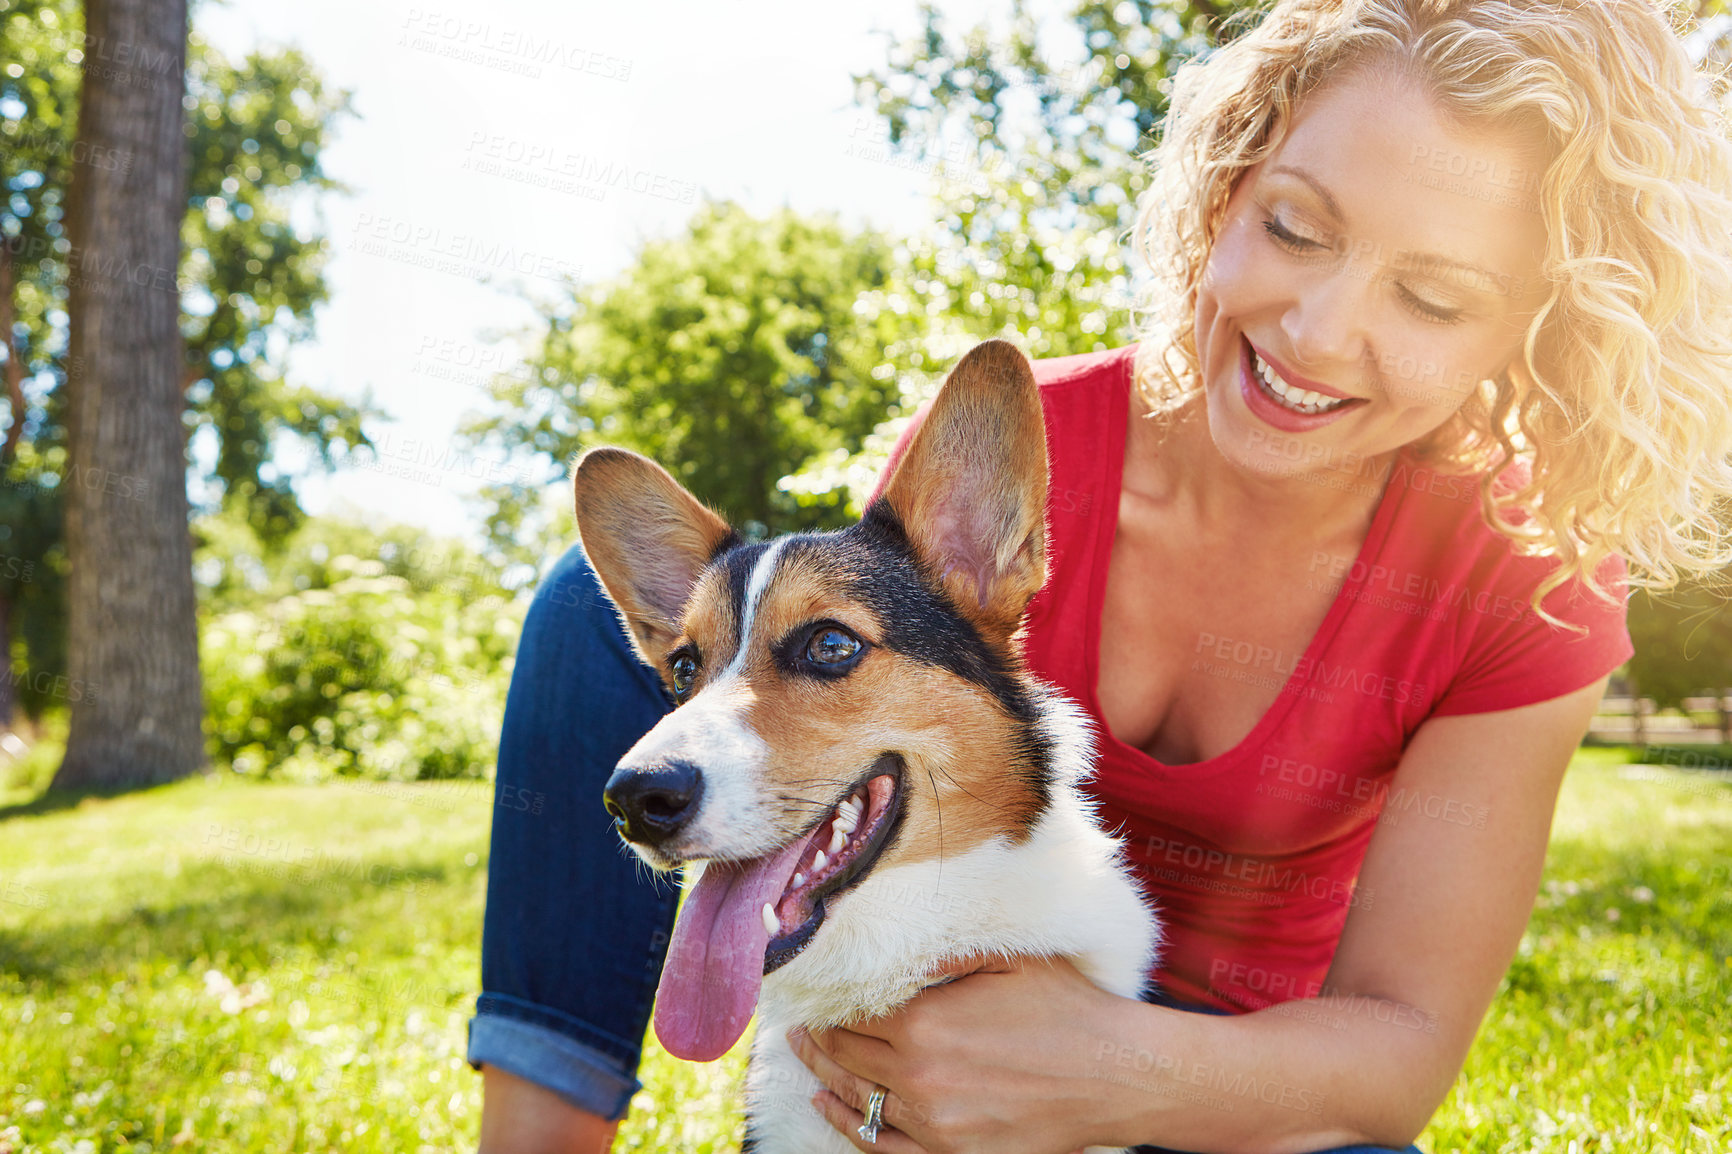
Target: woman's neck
(1176,462)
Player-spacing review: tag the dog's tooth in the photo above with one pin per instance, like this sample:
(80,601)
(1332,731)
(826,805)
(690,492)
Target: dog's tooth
(838,839)
(846,822)
(771,924)
(819,862)
(799,880)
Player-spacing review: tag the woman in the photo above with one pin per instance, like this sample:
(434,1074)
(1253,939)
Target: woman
(1340,655)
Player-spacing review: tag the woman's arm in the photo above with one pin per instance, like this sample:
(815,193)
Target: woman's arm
(1441,908)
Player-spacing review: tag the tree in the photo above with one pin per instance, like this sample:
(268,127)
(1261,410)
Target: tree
(732,354)
(1683,642)
(1039,158)
(132,640)
(248,284)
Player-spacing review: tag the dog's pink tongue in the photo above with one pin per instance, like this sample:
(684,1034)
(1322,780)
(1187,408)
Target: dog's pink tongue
(715,961)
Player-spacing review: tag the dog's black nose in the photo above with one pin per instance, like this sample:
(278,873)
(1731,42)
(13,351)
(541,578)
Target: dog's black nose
(651,805)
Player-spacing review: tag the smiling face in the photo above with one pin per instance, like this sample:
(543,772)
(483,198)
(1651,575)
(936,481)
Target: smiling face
(1369,273)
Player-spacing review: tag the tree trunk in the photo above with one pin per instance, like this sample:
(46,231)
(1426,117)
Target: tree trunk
(14,427)
(8,697)
(132,679)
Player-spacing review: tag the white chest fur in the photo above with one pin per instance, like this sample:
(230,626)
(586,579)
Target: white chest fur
(1062,892)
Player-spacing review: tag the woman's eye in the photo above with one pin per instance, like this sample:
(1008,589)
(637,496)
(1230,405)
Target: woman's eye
(1288,239)
(831,646)
(1428,310)
(685,671)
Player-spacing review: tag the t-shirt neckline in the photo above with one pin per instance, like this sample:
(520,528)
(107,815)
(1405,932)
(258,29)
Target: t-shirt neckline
(1387,503)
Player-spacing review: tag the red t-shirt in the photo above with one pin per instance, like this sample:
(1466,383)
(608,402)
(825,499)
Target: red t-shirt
(1252,856)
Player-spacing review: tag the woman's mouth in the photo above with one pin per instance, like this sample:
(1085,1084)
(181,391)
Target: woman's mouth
(1281,404)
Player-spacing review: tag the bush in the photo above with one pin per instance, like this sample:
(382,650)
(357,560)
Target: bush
(365,677)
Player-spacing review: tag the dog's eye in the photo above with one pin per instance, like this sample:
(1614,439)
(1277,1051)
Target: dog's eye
(685,671)
(832,646)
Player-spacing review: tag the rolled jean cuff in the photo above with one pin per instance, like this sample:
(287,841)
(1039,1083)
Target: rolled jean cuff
(537,1044)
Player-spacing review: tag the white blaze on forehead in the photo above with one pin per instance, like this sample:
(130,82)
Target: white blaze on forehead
(755,586)
(710,733)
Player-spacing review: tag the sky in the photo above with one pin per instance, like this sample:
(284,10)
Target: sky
(501,146)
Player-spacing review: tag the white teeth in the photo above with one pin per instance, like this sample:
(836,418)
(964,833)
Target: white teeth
(799,880)
(848,814)
(1301,400)
(838,839)
(819,862)
(771,925)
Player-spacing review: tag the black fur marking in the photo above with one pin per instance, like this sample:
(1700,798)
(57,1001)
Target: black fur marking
(875,564)
(731,541)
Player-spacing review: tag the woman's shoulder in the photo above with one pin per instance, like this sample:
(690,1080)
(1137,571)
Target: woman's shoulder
(1442,540)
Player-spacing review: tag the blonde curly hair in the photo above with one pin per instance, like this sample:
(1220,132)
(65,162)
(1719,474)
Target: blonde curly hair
(1621,401)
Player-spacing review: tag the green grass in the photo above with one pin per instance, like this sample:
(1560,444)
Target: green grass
(241,967)
(1611,1031)
(290,968)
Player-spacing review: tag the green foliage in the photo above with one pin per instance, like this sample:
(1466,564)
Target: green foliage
(1683,642)
(351,652)
(731,354)
(1045,174)
(33,571)
(249,282)
(1035,159)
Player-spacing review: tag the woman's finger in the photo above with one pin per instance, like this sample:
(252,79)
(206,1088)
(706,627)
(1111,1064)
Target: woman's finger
(848,1120)
(849,1087)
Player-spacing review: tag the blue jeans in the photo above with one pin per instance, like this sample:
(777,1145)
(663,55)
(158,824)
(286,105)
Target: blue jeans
(576,927)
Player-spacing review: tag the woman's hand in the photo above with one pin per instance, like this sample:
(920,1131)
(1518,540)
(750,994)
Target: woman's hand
(1005,1057)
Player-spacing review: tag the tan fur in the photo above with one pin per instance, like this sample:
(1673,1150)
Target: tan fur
(988,410)
(823,736)
(647,538)
(711,626)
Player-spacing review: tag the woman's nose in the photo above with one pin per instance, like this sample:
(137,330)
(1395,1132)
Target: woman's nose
(1326,326)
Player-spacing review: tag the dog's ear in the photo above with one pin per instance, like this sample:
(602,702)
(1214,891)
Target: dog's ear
(647,538)
(970,491)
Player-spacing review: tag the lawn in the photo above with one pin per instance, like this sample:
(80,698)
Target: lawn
(289,968)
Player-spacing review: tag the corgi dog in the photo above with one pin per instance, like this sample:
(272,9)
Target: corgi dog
(860,777)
